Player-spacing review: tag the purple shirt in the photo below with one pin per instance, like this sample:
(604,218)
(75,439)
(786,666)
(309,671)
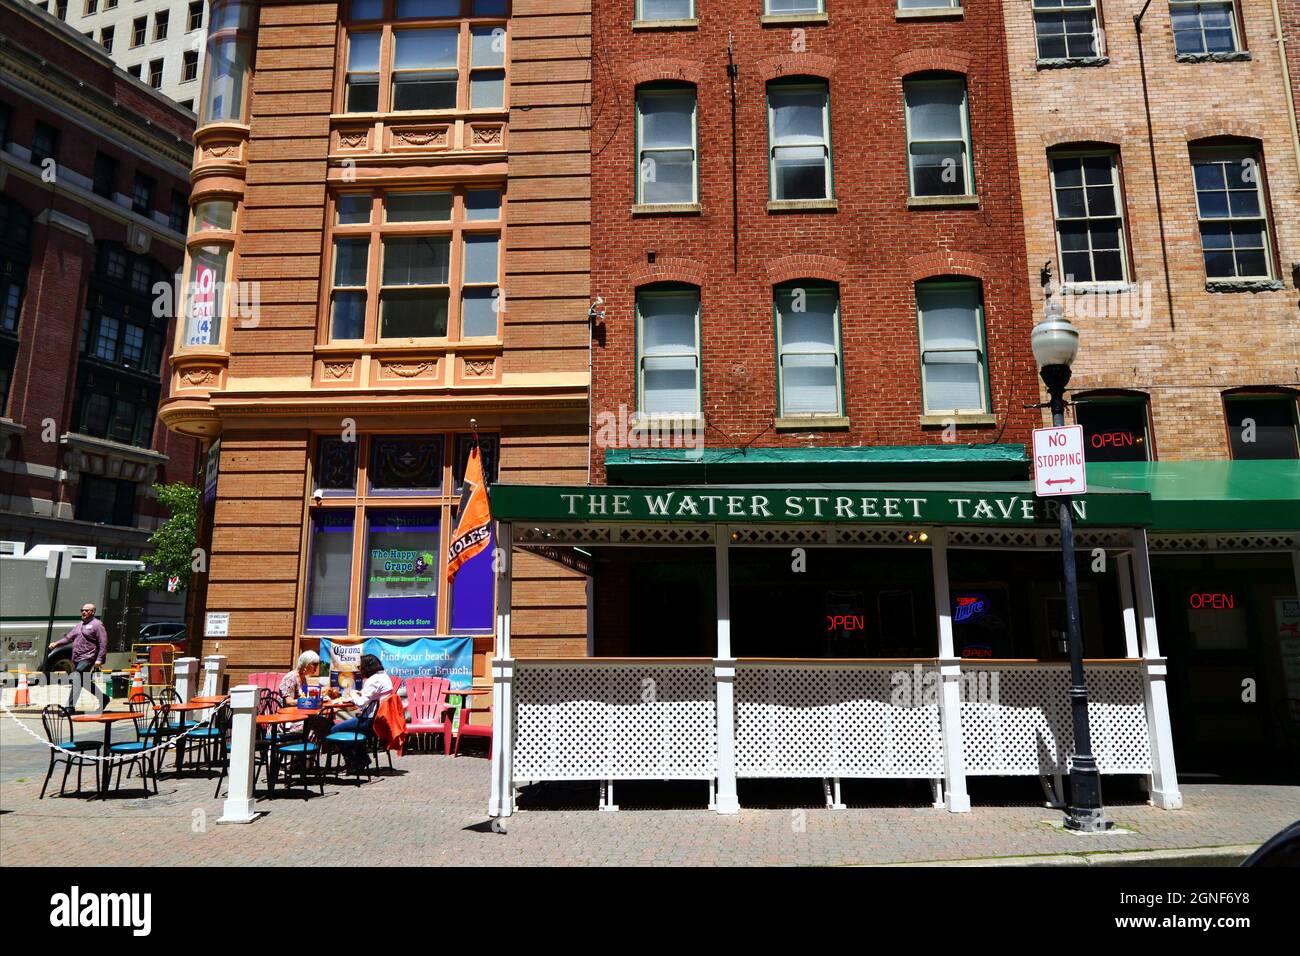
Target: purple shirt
(89,641)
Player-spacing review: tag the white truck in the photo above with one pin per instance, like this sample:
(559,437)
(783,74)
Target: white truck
(41,594)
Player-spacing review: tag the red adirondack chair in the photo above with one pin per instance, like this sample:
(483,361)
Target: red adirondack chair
(270,680)
(474,730)
(426,701)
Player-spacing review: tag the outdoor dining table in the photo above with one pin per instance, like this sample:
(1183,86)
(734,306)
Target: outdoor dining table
(194,704)
(108,719)
(289,715)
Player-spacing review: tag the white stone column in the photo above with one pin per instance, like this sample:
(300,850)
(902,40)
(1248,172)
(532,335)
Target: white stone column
(238,807)
(186,671)
(1164,776)
(214,669)
(954,756)
(1124,568)
(501,798)
(724,674)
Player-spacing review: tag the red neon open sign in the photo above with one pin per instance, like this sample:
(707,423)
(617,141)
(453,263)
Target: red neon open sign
(846,622)
(1217,600)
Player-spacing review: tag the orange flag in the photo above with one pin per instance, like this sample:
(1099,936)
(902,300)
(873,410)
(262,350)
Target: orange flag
(474,526)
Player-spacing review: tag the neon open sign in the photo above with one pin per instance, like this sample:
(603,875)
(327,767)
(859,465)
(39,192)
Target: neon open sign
(846,622)
(1217,600)
(1114,440)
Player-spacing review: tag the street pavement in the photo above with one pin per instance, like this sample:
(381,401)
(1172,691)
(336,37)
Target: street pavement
(431,810)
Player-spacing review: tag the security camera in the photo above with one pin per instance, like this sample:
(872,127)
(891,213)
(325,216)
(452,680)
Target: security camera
(317,495)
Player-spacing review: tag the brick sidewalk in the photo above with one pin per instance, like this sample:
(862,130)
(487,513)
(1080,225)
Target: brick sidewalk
(431,809)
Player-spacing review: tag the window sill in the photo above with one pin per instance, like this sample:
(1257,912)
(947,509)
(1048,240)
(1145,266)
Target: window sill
(1236,56)
(786,19)
(666,209)
(929,13)
(112,449)
(924,202)
(1065,63)
(642,423)
(1244,285)
(802,205)
(808,423)
(959,419)
(1097,288)
(689,24)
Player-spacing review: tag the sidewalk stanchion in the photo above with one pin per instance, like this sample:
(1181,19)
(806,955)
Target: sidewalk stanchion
(214,669)
(187,672)
(238,807)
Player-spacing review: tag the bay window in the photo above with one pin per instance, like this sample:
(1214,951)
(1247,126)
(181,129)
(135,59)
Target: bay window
(228,61)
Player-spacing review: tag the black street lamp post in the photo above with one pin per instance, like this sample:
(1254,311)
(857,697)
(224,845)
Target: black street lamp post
(1056,343)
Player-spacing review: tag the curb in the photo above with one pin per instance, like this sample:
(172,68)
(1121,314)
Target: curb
(1231,855)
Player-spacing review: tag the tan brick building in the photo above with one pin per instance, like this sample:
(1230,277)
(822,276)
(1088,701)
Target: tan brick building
(1213,79)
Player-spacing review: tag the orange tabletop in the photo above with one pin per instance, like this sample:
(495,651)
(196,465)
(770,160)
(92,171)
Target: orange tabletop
(209,701)
(471,691)
(192,705)
(104,718)
(286,715)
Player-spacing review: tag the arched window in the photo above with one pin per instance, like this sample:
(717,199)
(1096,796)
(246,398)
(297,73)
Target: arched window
(1232,212)
(799,138)
(938,135)
(1089,214)
(666,145)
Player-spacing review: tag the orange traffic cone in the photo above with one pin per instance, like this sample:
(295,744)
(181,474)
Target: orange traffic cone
(23,696)
(137,685)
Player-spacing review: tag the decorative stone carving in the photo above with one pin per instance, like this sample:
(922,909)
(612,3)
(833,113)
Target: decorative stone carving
(195,377)
(420,137)
(487,135)
(478,368)
(221,151)
(408,369)
(353,138)
(338,370)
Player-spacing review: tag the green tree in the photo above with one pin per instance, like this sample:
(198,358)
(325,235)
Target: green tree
(173,542)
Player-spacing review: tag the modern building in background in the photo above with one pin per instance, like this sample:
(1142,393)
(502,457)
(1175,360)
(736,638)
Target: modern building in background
(388,248)
(94,170)
(161,43)
(1160,175)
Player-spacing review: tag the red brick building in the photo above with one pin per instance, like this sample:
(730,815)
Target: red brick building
(94,168)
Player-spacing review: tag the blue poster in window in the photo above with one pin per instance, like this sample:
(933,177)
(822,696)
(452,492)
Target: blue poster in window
(452,658)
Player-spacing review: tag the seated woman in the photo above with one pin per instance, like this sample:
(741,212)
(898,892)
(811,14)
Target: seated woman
(294,684)
(375,684)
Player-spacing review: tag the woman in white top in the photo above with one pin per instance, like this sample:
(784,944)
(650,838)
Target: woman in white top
(374,685)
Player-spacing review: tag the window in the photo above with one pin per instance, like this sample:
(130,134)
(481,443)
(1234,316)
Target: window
(6,121)
(91,7)
(45,143)
(1066,29)
(362,82)
(189,68)
(402,557)
(668,350)
(791,7)
(808,349)
(938,137)
(1115,428)
(409,265)
(1204,27)
(953,366)
(425,70)
(799,125)
(61,9)
(329,574)
(336,466)
(1089,216)
(115,407)
(142,194)
(651,10)
(195,21)
(179,210)
(106,500)
(487,74)
(160,23)
(106,38)
(405,463)
(105,175)
(205,295)
(139,27)
(1261,426)
(188,104)
(929,4)
(134,70)
(1230,208)
(108,4)
(666,151)
(155,73)
(226,65)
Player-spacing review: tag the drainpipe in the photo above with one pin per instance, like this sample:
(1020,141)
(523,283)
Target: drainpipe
(1155,169)
(1286,82)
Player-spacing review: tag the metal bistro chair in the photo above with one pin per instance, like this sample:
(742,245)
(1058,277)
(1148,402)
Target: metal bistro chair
(178,726)
(304,755)
(214,741)
(342,742)
(143,750)
(57,722)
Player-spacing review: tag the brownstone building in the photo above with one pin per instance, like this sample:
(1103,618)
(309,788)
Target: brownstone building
(389,245)
(93,165)
(1160,175)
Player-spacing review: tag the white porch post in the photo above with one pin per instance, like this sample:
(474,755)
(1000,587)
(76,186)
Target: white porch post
(238,807)
(1124,568)
(186,670)
(214,669)
(1164,777)
(954,759)
(501,800)
(724,672)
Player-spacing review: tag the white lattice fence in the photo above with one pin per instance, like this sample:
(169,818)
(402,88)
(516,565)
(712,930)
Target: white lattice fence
(1027,727)
(592,720)
(841,720)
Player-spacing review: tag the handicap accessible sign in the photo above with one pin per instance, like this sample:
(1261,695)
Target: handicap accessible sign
(452,658)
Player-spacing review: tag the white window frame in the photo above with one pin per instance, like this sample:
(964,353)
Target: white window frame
(799,85)
(769,12)
(696,353)
(1197,5)
(1241,152)
(836,349)
(1098,35)
(981,350)
(642,18)
(1057,218)
(684,89)
(968,153)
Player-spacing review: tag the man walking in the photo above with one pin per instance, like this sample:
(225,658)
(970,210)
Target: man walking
(89,647)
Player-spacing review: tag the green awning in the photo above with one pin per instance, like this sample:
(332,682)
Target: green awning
(900,463)
(991,504)
(1211,495)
